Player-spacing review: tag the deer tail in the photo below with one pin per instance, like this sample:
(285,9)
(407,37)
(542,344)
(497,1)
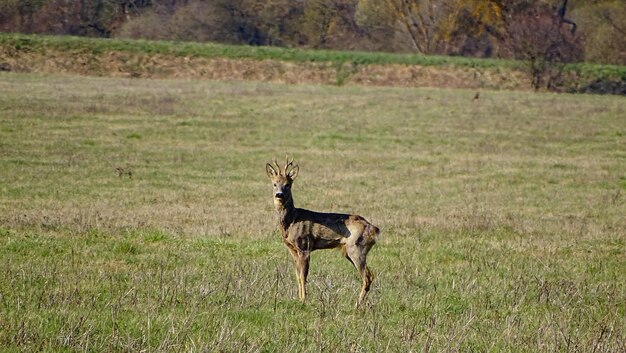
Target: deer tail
(372,232)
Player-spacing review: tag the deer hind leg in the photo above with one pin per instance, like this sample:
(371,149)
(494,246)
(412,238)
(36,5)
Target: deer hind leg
(357,256)
(367,279)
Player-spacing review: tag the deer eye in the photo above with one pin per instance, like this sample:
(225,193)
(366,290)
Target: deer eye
(274,184)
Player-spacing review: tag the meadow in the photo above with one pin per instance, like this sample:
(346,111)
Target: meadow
(135,215)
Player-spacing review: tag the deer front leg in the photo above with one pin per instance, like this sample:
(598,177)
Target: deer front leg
(303,271)
(296,262)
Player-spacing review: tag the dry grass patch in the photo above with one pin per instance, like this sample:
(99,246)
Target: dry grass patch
(159,66)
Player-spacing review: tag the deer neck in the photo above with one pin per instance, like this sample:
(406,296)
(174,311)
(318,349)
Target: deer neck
(286,213)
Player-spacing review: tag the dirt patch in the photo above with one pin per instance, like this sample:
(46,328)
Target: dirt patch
(126,64)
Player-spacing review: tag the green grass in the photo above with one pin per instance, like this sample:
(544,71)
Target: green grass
(23,42)
(40,42)
(161,59)
(502,219)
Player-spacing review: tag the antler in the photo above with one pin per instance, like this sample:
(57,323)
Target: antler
(277,166)
(288,164)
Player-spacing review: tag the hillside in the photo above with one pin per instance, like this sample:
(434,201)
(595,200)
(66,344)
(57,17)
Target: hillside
(164,59)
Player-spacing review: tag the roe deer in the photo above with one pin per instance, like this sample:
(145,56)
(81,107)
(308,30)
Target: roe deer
(304,231)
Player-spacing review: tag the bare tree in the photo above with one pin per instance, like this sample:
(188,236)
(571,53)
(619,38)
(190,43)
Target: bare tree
(538,36)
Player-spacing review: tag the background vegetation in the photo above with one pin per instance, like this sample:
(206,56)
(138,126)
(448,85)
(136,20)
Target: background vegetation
(577,30)
(136,215)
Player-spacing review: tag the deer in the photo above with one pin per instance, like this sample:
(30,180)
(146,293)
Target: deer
(304,231)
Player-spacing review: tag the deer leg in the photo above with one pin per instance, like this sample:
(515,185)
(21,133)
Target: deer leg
(367,278)
(358,260)
(296,262)
(303,268)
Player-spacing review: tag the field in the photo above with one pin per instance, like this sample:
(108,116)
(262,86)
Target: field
(135,215)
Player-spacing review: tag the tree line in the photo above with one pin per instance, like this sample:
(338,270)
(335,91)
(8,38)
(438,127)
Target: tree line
(538,31)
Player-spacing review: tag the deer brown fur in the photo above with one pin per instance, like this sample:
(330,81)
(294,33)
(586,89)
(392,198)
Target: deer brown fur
(304,231)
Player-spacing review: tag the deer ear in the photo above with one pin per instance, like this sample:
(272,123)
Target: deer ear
(293,173)
(271,172)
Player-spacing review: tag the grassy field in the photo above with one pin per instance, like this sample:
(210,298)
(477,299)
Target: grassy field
(502,218)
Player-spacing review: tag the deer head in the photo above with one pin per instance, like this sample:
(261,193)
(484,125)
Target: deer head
(282,180)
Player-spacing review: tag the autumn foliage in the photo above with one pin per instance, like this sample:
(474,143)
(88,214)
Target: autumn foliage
(537,31)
